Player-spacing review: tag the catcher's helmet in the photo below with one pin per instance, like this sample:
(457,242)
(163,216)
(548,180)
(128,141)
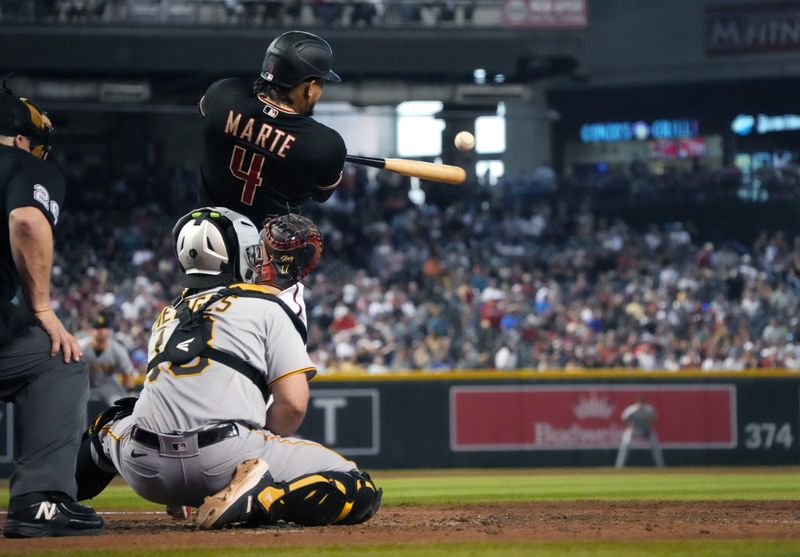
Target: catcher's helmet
(215,247)
(296,56)
(20,116)
(292,248)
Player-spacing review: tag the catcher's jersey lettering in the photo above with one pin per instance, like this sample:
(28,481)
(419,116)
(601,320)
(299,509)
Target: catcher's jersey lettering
(203,391)
(258,160)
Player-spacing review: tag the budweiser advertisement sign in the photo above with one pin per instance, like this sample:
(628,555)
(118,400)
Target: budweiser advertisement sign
(751,28)
(524,418)
(548,14)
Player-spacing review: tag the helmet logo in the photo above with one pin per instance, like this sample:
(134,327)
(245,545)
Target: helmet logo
(268,76)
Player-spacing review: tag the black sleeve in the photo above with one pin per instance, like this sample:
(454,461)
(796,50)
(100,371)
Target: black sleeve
(36,183)
(219,93)
(331,167)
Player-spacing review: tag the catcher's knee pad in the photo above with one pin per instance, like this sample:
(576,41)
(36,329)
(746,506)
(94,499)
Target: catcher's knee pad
(90,477)
(324,498)
(122,408)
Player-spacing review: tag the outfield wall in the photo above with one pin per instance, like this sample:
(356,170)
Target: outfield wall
(555,419)
(485,419)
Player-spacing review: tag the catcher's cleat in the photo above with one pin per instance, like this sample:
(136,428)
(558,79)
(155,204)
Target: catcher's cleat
(179,512)
(236,503)
(38,515)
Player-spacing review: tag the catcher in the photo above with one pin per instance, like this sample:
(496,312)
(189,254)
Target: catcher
(263,154)
(202,434)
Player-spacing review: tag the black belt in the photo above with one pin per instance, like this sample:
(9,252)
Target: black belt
(204,438)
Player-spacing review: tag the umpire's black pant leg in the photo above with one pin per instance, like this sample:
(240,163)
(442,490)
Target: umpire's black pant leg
(49,399)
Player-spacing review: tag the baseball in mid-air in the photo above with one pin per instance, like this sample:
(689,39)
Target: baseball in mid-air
(465,141)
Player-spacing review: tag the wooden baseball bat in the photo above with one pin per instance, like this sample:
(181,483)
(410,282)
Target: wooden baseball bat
(445,173)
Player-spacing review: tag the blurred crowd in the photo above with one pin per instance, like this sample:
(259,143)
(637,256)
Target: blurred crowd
(471,279)
(249,12)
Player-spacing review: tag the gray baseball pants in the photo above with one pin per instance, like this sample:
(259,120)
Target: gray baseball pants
(49,400)
(187,477)
(627,438)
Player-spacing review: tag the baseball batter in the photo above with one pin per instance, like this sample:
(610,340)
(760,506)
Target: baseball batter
(263,154)
(201,434)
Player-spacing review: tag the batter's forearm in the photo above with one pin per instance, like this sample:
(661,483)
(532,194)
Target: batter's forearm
(283,419)
(31,239)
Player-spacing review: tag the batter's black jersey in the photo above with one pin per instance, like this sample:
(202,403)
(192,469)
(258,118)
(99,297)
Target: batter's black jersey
(24,181)
(259,157)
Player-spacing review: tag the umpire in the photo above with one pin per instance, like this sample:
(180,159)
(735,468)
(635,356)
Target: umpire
(49,390)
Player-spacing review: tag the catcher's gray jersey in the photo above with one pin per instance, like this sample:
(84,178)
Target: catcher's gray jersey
(203,392)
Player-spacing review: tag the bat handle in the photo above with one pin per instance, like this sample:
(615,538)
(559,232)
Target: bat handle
(367,161)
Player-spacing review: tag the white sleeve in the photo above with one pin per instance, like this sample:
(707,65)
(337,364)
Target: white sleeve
(294,298)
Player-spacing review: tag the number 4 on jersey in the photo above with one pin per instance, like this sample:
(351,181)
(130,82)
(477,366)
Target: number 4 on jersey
(251,178)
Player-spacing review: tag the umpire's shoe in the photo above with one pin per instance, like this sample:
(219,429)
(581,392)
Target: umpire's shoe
(236,503)
(38,515)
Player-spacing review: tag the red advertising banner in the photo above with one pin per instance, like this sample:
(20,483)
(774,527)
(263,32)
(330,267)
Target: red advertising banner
(493,418)
(752,28)
(548,14)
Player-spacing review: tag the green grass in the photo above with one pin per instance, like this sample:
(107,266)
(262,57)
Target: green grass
(486,486)
(711,548)
(642,486)
(402,488)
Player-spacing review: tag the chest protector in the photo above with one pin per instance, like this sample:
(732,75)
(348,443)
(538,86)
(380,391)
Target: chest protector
(190,338)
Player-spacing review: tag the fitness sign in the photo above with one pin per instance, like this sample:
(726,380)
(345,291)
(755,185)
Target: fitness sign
(522,418)
(345,420)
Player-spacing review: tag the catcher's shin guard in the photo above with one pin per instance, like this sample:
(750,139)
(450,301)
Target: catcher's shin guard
(366,499)
(323,498)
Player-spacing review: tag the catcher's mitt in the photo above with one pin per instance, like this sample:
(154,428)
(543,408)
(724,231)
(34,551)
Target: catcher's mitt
(292,248)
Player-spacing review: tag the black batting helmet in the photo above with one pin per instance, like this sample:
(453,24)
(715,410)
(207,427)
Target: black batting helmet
(296,56)
(20,116)
(292,248)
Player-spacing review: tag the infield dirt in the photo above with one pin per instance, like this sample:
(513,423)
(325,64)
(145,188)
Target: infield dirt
(506,522)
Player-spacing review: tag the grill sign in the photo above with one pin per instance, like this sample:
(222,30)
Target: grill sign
(588,416)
